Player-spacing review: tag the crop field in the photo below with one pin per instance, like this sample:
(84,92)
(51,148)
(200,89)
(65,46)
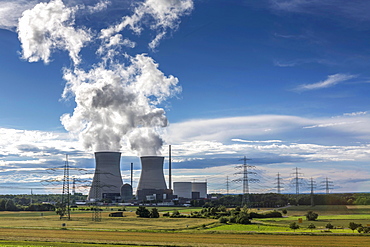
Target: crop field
(46,229)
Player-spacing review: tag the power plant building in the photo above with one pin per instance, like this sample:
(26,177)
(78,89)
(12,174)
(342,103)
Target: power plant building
(126,192)
(182,189)
(190,190)
(107,181)
(152,185)
(201,188)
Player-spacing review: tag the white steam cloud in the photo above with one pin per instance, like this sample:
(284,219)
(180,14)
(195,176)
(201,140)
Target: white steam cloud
(119,97)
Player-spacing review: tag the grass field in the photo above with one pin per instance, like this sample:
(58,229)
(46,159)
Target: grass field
(46,229)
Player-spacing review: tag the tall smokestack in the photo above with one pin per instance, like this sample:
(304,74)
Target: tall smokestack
(170,168)
(152,180)
(107,179)
(132,174)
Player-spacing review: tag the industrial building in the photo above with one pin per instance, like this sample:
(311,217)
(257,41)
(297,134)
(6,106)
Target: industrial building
(107,182)
(190,190)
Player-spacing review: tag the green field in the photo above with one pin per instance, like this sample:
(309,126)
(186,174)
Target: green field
(46,229)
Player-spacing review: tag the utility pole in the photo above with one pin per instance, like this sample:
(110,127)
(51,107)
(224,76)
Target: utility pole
(328,185)
(312,185)
(245,180)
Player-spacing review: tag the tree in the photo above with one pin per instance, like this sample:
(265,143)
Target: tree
(223,220)
(60,210)
(329,226)
(293,226)
(142,212)
(285,211)
(175,213)
(353,226)
(311,215)
(311,226)
(154,213)
(10,206)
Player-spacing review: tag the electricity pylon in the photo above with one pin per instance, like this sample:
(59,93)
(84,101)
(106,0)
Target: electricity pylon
(245,180)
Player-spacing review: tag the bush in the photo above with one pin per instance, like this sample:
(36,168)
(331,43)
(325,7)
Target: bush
(311,226)
(293,226)
(223,220)
(116,214)
(154,213)
(353,226)
(142,212)
(40,207)
(329,226)
(273,214)
(311,216)
(232,219)
(243,219)
(175,213)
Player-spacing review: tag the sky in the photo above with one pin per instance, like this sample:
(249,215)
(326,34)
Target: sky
(284,83)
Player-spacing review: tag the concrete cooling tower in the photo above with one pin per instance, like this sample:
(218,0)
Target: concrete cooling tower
(107,181)
(152,183)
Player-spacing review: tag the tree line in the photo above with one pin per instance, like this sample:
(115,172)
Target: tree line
(279,200)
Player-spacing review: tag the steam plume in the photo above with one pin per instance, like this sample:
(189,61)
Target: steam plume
(118,98)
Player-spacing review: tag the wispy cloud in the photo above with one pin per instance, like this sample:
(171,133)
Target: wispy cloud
(359,113)
(356,10)
(332,80)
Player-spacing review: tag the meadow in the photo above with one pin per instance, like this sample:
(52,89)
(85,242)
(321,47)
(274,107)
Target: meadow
(46,229)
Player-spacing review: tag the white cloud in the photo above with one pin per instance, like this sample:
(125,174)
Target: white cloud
(332,80)
(47,27)
(236,127)
(164,14)
(11,11)
(356,113)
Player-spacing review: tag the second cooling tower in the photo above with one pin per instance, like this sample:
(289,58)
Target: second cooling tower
(152,185)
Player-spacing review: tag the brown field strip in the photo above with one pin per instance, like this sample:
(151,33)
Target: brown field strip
(180,239)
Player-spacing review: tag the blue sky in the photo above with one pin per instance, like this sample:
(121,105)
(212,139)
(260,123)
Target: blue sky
(283,82)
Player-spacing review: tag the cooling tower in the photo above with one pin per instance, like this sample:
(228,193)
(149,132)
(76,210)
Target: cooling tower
(107,181)
(152,178)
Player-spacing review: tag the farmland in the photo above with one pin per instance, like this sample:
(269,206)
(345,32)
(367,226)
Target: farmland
(46,229)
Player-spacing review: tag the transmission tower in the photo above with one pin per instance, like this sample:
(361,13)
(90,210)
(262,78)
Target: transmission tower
(227,185)
(279,183)
(96,214)
(297,182)
(312,186)
(73,186)
(328,185)
(65,193)
(245,180)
